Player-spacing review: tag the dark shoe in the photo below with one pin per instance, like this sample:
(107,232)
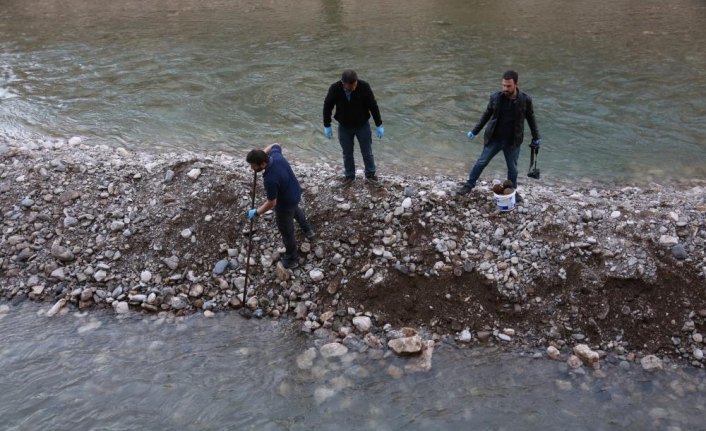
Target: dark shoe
(466,189)
(310,235)
(518,198)
(373,181)
(345,182)
(289,263)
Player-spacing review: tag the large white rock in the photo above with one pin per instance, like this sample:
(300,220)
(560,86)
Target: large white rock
(651,363)
(553,353)
(362,323)
(194,174)
(422,362)
(465,336)
(406,345)
(121,307)
(588,357)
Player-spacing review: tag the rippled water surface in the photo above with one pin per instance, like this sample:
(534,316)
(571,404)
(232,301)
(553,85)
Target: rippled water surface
(618,85)
(94,371)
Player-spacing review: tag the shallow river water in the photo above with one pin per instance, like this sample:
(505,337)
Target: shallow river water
(618,85)
(95,371)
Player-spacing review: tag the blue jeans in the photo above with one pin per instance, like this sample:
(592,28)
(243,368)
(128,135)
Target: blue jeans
(285,223)
(511,152)
(365,140)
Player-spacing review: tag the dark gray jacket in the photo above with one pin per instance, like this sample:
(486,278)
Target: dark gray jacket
(523,110)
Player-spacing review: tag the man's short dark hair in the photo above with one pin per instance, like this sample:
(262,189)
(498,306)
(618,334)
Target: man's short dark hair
(511,74)
(349,76)
(257,156)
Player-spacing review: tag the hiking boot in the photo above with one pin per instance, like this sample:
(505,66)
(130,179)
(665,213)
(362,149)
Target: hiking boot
(373,181)
(289,263)
(518,198)
(310,235)
(466,189)
(345,182)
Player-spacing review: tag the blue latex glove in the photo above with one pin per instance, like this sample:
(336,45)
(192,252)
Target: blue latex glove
(535,145)
(380,131)
(252,213)
(328,132)
(471,135)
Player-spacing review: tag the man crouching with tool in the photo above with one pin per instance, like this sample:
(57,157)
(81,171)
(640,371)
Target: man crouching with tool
(283,194)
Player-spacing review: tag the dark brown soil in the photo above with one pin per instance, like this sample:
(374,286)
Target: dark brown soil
(445,304)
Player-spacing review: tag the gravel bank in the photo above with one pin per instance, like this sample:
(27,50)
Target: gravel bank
(578,273)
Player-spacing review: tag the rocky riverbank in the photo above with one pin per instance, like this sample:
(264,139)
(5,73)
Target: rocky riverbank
(612,274)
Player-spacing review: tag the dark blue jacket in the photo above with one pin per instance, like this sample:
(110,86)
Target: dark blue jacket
(280,181)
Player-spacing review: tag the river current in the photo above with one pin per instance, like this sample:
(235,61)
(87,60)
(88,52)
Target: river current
(618,85)
(96,371)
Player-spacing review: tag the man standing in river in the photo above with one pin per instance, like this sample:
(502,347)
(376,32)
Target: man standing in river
(354,102)
(283,194)
(505,116)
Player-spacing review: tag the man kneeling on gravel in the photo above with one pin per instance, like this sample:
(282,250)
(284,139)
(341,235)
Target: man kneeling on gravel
(283,194)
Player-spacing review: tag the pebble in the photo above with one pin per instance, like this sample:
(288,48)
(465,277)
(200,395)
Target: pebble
(316,275)
(145,276)
(220,267)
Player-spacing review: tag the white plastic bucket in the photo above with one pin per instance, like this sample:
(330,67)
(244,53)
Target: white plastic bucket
(505,202)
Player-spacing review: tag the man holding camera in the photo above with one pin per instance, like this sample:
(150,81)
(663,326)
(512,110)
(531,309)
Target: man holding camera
(505,117)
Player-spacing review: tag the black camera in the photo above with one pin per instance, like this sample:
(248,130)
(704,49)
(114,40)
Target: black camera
(534,173)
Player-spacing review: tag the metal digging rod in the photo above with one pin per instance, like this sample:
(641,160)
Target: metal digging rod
(247,259)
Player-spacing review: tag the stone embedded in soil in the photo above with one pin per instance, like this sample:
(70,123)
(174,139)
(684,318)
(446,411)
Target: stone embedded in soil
(316,275)
(362,323)
(679,252)
(668,240)
(145,276)
(194,174)
(220,267)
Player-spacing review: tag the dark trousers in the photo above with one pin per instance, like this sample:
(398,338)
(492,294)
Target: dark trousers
(511,152)
(285,223)
(365,140)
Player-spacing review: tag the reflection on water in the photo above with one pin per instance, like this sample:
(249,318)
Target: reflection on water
(89,371)
(617,85)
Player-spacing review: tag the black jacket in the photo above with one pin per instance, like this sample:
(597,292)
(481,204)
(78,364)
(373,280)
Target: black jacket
(523,110)
(353,113)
